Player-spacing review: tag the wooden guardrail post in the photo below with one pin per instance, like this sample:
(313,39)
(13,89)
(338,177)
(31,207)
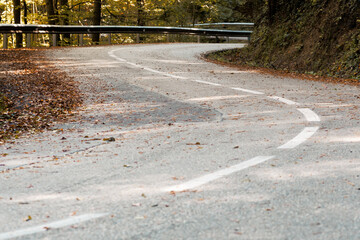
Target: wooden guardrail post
(198,39)
(54,38)
(28,40)
(109,38)
(5,41)
(81,39)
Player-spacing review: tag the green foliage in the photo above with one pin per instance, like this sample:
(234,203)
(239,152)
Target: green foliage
(157,12)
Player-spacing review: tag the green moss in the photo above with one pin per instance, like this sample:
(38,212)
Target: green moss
(316,37)
(3,103)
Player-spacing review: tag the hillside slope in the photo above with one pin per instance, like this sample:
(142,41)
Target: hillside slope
(316,37)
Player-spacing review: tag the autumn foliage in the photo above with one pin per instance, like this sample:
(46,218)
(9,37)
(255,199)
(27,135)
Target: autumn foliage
(33,94)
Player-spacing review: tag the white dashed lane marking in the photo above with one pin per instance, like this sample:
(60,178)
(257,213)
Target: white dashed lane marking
(304,135)
(283,100)
(309,114)
(209,83)
(218,174)
(300,138)
(248,91)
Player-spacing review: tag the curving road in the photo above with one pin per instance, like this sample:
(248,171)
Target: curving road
(201,151)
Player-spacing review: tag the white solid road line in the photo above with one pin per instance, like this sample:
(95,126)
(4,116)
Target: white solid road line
(49,226)
(300,138)
(174,76)
(284,100)
(248,91)
(209,83)
(309,114)
(218,174)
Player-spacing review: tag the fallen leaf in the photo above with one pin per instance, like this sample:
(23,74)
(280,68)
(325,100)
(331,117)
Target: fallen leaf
(110,139)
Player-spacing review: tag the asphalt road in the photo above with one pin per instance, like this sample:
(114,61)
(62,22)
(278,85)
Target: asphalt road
(168,146)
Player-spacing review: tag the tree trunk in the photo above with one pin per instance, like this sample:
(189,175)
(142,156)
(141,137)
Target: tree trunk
(51,16)
(140,18)
(272,9)
(17,20)
(96,20)
(64,19)
(140,11)
(2,9)
(25,11)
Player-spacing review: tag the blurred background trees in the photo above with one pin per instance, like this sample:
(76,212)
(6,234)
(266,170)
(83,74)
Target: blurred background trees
(126,12)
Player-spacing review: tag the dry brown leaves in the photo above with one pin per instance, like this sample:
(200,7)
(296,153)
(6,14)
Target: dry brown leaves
(36,93)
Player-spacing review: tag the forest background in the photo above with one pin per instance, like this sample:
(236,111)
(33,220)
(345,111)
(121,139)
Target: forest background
(320,37)
(126,12)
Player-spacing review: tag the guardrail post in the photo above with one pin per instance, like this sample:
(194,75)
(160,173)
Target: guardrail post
(227,39)
(81,39)
(5,41)
(28,40)
(54,38)
(167,37)
(109,38)
(249,38)
(198,39)
(137,38)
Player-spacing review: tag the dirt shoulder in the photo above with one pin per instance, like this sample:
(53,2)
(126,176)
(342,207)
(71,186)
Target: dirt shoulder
(33,94)
(231,58)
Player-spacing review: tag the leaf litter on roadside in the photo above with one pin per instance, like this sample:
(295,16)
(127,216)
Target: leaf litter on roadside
(33,94)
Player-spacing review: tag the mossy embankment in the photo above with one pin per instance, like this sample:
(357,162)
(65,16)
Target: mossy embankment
(314,37)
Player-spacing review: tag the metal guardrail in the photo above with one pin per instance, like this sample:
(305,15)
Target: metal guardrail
(226,24)
(63,29)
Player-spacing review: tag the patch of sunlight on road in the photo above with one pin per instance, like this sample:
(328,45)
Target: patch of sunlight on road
(319,170)
(347,139)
